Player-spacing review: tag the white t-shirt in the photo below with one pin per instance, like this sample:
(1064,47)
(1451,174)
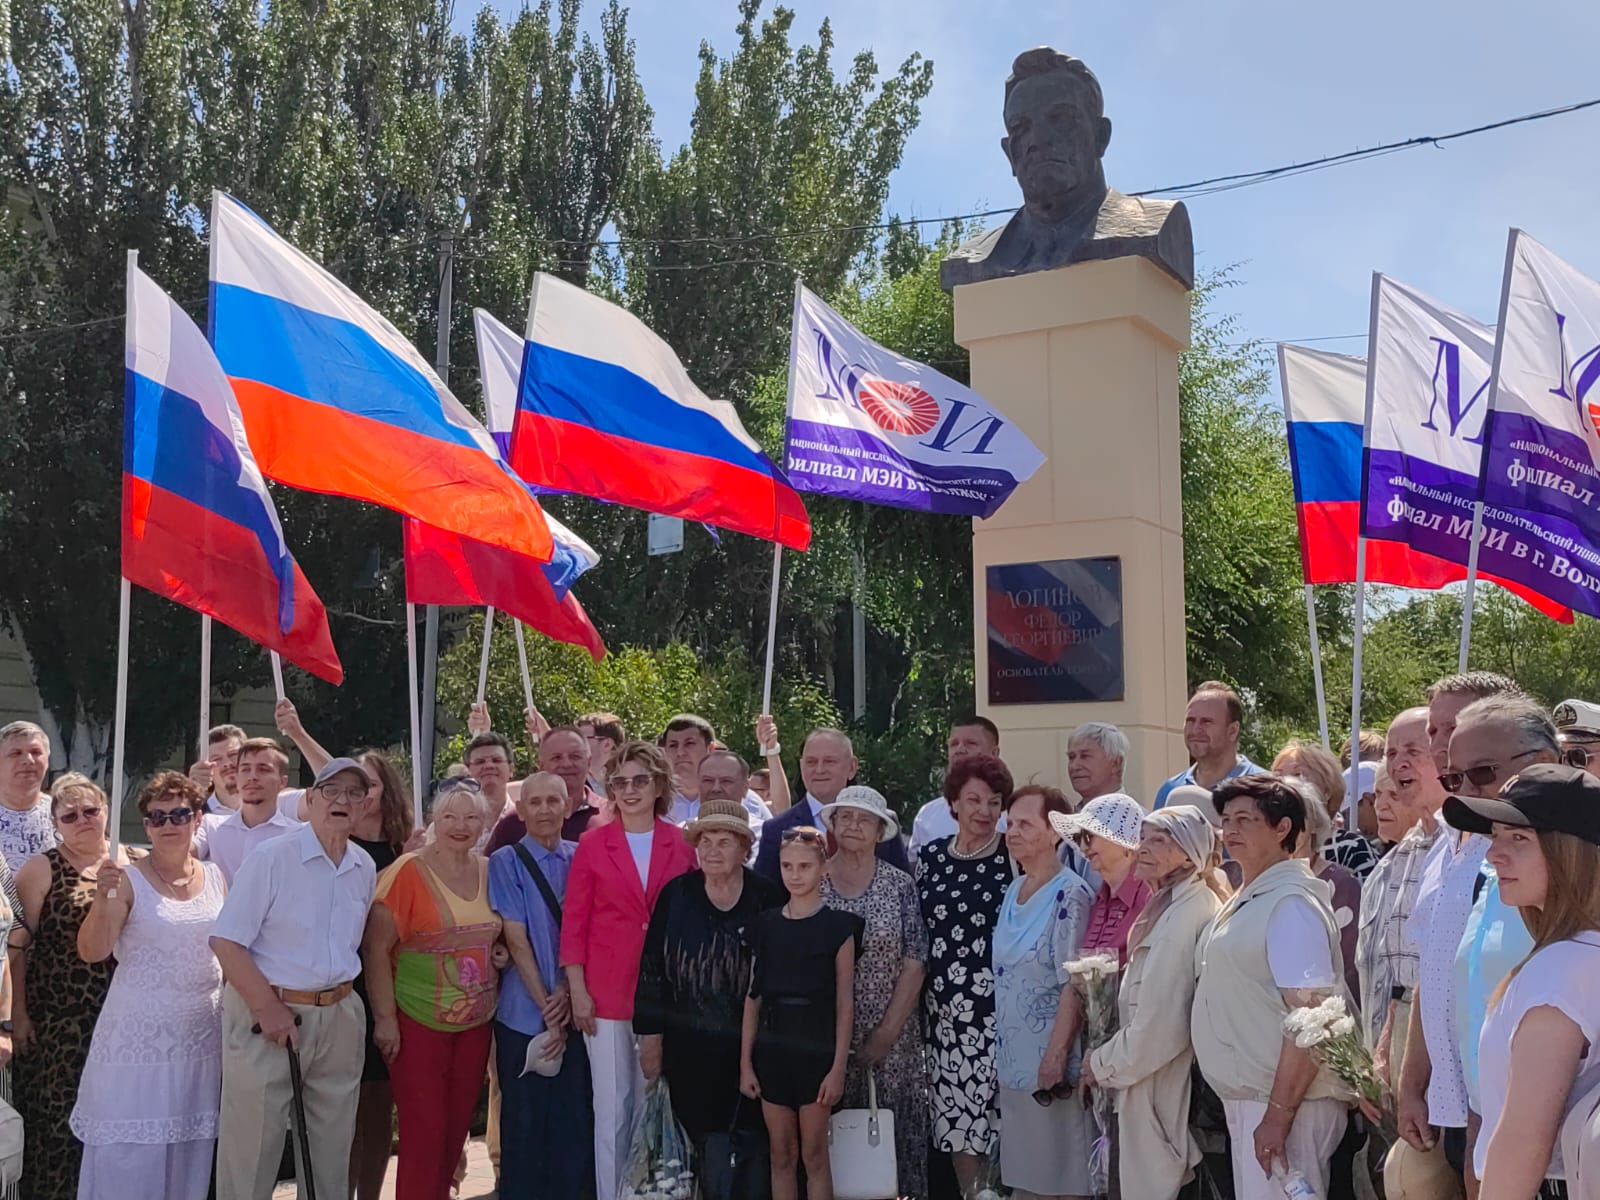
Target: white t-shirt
(639,844)
(1297,946)
(1566,977)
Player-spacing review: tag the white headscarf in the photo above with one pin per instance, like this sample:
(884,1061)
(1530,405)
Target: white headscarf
(1188,826)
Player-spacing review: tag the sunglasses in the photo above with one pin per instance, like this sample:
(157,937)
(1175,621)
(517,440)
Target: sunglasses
(805,834)
(1045,1098)
(87,813)
(629,783)
(173,816)
(1577,756)
(1479,776)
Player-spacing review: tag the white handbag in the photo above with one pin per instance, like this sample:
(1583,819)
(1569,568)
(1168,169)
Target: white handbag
(861,1150)
(10,1145)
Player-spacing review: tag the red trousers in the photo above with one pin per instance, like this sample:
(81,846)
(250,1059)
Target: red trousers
(437,1078)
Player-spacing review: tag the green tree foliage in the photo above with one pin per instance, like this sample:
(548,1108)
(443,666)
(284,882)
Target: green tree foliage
(365,131)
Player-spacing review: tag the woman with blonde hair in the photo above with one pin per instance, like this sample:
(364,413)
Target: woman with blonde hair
(1146,1063)
(1320,769)
(1536,1052)
(428,962)
(617,875)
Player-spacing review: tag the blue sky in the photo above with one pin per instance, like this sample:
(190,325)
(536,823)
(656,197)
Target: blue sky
(1202,89)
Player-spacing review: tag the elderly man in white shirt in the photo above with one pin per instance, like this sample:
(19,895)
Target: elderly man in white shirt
(266,808)
(289,941)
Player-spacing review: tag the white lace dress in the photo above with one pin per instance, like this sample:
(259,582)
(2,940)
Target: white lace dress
(147,1106)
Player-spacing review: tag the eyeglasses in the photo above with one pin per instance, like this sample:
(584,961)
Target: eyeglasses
(172,816)
(1044,1098)
(88,812)
(629,783)
(1481,776)
(1577,756)
(804,834)
(344,795)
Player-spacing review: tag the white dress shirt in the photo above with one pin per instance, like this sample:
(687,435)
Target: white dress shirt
(1437,921)
(684,810)
(300,916)
(228,839)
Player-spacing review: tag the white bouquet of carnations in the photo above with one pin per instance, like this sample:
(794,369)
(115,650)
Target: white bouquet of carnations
(1094,977)
(658,1159)
(1331,1035)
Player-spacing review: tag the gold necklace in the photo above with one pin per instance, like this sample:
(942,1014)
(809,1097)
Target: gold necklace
(173,885)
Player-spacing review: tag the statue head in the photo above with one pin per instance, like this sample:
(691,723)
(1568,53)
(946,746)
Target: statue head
(1056,133)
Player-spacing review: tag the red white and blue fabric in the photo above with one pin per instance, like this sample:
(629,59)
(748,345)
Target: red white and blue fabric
(868,424)
(444,568)
(336,400)
(198,525)
(1324,404)
(605,409)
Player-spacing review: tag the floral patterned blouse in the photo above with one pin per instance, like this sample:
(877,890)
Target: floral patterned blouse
(1032,943)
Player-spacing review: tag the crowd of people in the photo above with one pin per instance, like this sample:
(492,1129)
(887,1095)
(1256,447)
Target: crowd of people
(641,910)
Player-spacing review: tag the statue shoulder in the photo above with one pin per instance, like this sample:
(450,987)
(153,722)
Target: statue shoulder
(1159,229)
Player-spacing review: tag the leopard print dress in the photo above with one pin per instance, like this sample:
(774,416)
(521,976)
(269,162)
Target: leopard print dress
(64,998)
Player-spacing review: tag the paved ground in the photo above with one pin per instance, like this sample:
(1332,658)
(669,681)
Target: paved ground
(478,1185)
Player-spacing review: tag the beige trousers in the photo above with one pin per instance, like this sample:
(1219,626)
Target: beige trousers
(256,1095)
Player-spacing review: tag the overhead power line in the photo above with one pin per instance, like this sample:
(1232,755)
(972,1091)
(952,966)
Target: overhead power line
(1196,188)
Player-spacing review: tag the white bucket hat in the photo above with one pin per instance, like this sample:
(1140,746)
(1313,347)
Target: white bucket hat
(868,800)
(1116,817)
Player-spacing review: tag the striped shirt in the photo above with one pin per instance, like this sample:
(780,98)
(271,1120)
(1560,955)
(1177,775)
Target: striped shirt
(1385,957)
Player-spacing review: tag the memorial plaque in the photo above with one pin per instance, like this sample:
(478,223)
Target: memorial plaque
(1055,631)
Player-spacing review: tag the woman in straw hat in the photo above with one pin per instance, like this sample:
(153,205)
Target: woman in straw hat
(689,1004)
(889,972)
(1146,1063)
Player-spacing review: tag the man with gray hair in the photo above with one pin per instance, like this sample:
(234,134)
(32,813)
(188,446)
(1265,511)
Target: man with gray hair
(1097,752)
(25,825)
(1463,931)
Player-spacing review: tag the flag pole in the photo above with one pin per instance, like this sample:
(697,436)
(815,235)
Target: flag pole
(777,547)
(522,660)
(1352,793)
(772,630)
(277,673)
(1468,601)
(205,681)
(1316,667)
(416,717)
(114,826)
(483,659)
(1359,616)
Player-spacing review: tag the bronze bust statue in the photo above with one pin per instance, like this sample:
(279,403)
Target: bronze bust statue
(1056,135)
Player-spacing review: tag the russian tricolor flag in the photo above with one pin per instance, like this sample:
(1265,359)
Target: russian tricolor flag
(198,525)
(1325,403)
(335,400)
(605,409)
(442,568)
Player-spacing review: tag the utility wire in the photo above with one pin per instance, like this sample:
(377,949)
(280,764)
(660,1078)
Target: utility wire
(1200,187)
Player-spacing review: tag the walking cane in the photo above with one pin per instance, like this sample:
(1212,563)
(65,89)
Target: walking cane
(297,1115)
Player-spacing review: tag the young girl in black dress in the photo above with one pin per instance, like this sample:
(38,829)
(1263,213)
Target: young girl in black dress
(798,1017)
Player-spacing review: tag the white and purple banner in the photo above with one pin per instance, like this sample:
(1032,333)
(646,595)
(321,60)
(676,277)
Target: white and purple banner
(1427,409)
(867,424)
(1543,456)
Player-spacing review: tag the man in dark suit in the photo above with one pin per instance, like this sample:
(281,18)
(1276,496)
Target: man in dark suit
(827,764)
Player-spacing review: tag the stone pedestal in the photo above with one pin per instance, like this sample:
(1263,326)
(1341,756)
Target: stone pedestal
(1085,360)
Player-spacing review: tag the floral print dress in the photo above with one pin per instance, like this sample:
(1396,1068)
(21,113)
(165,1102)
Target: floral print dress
(894,933)
(960,900)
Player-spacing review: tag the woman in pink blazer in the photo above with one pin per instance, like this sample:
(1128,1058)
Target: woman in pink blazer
(617,873)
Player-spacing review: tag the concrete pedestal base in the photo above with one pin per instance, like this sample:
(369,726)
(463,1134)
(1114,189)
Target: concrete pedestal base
(1085,360)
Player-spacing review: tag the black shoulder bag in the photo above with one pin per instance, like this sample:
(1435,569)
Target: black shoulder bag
(543,884)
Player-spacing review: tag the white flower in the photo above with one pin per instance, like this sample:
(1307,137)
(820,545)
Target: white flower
(1314,1036)
(1333,1007)
(1342,1026)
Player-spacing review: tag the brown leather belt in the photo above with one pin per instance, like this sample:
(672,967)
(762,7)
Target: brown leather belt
(322,999)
